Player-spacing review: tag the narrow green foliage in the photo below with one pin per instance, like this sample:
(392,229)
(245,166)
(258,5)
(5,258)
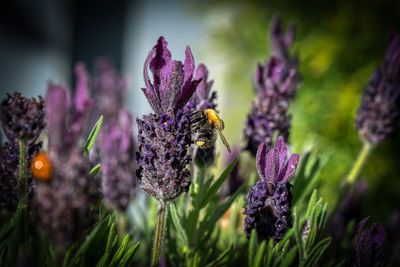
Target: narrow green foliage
(308,231)
(95,170)
(92,136)
(259,258)
(253,247)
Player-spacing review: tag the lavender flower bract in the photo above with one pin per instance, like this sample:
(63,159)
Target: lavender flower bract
(378,113)
(275,85)
(371,245)
(164,138)
(268,202)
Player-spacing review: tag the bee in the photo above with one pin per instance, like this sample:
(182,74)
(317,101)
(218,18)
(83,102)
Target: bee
(204,126)
(41,167)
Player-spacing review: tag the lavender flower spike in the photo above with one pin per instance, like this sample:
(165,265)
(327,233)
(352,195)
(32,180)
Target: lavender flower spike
(115,147)
(371,245)
(164,138)
(269,201)
(275,83)
(64,203)
(379,113)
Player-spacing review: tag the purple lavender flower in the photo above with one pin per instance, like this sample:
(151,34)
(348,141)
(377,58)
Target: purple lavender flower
(115,146)
(9,175)
(164,138)
(378,113)
(64,203)
(275,85)
(22,117)
(117,161)
(371,245)
(201,100)
(268,202)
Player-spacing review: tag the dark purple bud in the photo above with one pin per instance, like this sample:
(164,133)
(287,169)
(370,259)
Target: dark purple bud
(371,245)
(22,117)
(378,114)
(269,201)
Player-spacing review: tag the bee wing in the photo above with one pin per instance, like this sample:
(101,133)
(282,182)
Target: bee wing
(223,138)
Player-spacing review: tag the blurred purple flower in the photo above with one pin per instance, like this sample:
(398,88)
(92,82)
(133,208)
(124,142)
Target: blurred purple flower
(269,201)
(378,114)
(164,138)
(201,100)
(371,245)
(394,237)
(275,84)
(115,146)
(349,209)
(64,203)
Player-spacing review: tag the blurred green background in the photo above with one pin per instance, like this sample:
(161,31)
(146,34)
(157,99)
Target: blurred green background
(339,43)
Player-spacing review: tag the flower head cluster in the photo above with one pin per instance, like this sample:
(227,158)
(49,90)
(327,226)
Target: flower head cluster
(203,99)
(378,113)
(64,202)
(269,201)
(22,117)
(115,146)
(275,84)
(164,137)
(9,174)
(371,245)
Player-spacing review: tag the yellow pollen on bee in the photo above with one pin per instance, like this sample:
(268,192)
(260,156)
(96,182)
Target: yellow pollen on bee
(200,143)
(213,117)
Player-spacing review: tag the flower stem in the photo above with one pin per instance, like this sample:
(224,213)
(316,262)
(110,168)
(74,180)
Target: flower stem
(22,172)
(159,234)
(359,163)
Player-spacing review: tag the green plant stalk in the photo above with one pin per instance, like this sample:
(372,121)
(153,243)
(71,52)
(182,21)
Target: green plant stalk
(359,163)
(159,234)
(23,182)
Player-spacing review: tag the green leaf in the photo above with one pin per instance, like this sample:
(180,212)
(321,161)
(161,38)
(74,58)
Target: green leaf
(120,251)
(217,184)
(92,136)
(260,255)
(222,258)
(290,257)
(178,226)
(253,246)
(127,259)
(270,251)
(208,225)
(89,238)
(318,251)
(95,170)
